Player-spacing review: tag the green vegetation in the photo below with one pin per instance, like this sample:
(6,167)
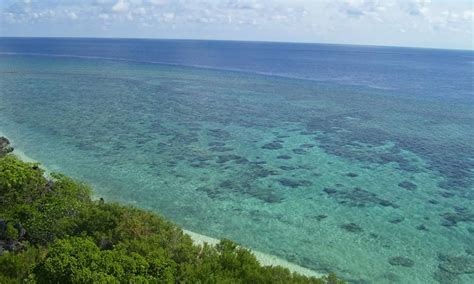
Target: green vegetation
(52,232)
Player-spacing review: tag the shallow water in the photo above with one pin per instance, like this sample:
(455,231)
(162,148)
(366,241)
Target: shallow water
(366,182)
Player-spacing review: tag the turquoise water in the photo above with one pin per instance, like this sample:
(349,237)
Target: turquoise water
(374,186)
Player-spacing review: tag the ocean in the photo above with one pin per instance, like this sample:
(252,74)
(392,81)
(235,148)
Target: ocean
(357,160)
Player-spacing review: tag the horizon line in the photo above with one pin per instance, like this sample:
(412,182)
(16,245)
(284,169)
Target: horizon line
(248,41)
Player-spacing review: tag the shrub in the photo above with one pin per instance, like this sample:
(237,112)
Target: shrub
(68,238)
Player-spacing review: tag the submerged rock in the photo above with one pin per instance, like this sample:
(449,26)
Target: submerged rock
(445,277)
(219,133)
(261,172)
(422,227)
(307,145)
(220,149)
(265,196)
(396,220)
(231,157)
(282,136)
(299,151)
(330,190)
(352,227)
(446,194)
(287,168)
(321,217)
(284,157)
(216,143)
(294,183)
(460,215)
(457,264)
(407,185)
(211,192)
(358,197)
(272,146)
(401,261)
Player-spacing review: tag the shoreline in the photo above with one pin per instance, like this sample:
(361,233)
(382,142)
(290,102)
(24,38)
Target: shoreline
(263,258)
(199,239)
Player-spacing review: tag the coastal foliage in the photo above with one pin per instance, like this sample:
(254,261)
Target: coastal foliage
(51,231)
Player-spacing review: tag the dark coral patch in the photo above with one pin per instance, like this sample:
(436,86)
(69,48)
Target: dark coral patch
(212,144)
(446,194)
(211,192)
(272,146)
(294,183)
(459,215)
(307,145)
(407,185)
(220,149)
(329,190)
(219,133)
(396,220)
(282,136)
(358,197)
(352,228)
(457,264)
(226,158)
(299,151)
(422,227)
(261,172)
(284,157)
(229,187)
(321,217)
(287,168)
(401,261)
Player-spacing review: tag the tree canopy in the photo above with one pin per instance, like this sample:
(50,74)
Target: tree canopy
(51,231)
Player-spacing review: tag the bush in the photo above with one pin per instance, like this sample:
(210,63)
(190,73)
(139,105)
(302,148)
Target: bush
(68,238)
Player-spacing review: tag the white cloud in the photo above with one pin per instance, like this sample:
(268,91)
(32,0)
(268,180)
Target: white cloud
(72,15)
(121,6)
(358,8)
(244,4)
(367,21)
(103,16)
(158,2)
(468,15)
(168,17)
(418,7)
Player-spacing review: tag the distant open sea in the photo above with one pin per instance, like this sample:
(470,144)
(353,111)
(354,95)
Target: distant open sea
(352,159)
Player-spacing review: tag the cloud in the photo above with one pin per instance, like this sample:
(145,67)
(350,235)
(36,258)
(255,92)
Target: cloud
(305,20)
(358,8)
(417,7)
(159,2)
(72,15)
(468,15)
(121,6)
(104,16)
(243,5)
(168,16)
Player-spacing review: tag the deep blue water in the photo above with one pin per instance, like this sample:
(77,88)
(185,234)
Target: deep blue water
(352,159)
(409,71)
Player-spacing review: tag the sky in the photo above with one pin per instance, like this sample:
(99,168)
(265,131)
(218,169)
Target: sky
(415,23)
